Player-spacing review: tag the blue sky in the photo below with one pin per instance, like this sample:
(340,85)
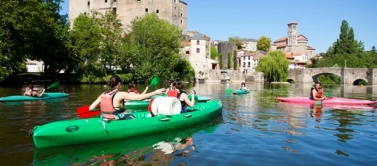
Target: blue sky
(318,20)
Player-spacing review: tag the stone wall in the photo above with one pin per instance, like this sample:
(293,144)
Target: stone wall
(234,76)
(224,48)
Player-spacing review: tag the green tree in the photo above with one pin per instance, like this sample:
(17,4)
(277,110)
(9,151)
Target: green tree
(229,61)
(234,59)
(236,40)
(264,43)
(154,46)
(274,66)
(31,29)
(214,52)
(346,48)
(84,43)
(221,61)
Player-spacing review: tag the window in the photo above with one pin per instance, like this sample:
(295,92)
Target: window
(248,64)
(115,1)
(157,11)
(146,10)
(181,21)
(249,58)
(138,0)
(88,3)
(198,50)
(105,1)
(197,42)
(115,10)
(244,64)
(181,15)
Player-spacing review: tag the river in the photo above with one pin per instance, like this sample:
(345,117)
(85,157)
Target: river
(254,129)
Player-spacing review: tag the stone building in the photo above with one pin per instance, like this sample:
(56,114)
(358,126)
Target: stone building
(174,11)
(294,43)
(224,48)
(197,49)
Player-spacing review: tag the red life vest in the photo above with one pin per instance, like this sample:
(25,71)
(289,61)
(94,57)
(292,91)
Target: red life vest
(107,108)
(133,90)
(173,93)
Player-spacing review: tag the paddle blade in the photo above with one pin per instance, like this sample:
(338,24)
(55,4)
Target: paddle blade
(54,85)
(155,80)
(328,94)
(84,112)
(228,90)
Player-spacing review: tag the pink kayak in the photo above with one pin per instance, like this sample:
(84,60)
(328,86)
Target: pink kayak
(333,100)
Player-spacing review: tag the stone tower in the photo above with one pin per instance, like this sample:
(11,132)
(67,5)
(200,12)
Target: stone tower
(292,33)
(173,11)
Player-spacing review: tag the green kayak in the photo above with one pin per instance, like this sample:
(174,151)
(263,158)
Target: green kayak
(49,95)
(240,91)
(85,153)
(137,104)
(81,131)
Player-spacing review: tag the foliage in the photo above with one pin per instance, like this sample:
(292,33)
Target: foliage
(330,79)
(31,29)
(154,47)
(274,66)
(214,52)
(264,43)
(234,59)
(185,70)
(228,61)
(221,61)
(236,40)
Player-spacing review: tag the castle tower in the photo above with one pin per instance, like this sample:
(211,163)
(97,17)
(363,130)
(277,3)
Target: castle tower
(292,34)
(173,11)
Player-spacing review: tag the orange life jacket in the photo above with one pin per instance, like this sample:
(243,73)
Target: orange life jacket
(319,93)
(107,108)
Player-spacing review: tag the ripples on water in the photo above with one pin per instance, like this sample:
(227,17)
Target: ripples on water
(253,130)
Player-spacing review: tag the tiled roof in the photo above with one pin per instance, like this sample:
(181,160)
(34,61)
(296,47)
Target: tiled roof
(281,39)
(281,45)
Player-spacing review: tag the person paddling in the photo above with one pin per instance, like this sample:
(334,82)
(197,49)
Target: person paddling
(31,92)
(316,92)
(112,102)
(243,86)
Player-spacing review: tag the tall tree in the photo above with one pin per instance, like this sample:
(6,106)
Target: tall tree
(154,46)
(85,38)
(31,29)
(221,61)
(229,61)
(274,66)
(235,59)
(264,43)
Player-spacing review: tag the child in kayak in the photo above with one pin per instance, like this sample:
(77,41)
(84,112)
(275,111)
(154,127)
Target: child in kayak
(132,89)
(112,102)
(31,92)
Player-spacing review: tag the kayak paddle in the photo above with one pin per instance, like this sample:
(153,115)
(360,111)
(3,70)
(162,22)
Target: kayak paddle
(54,85)
(84,112)
(155,80)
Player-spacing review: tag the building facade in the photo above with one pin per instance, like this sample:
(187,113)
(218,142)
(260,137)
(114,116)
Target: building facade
(294,43)
(173,11)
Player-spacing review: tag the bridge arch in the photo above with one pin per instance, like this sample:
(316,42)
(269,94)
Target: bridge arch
(347,75)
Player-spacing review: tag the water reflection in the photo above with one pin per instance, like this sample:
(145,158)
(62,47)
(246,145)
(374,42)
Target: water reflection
(142,150)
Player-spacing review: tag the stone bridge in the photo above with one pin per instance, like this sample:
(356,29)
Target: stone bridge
(347,75)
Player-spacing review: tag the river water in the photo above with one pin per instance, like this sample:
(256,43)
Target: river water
(254,129)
